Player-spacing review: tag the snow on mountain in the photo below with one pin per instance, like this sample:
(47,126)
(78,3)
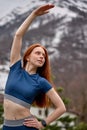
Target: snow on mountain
(17,8)
(68,8)
(7,6)
(3,75)
(61,29)
(3,78)
(20,10)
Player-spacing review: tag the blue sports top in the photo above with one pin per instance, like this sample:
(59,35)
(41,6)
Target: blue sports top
(22,88)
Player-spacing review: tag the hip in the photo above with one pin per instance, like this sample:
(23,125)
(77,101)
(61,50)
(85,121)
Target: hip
(16,124)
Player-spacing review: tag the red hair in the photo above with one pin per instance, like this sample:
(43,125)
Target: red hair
(43,71)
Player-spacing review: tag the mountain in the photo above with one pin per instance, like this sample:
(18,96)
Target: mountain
(64,33)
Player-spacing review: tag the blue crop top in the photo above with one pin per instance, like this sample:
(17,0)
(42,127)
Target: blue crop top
(22,88)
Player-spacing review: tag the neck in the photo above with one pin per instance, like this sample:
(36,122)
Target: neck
(30,69)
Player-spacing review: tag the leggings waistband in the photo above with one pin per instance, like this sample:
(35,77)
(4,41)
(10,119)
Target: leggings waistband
(16,122)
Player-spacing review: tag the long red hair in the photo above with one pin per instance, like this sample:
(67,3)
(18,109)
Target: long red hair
(44,71)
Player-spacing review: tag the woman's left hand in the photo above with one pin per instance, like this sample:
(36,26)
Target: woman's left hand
(33,122)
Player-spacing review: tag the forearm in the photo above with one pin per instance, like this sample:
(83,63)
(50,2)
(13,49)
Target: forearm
(39,11)
(17,42)
(55,115)
(25,25)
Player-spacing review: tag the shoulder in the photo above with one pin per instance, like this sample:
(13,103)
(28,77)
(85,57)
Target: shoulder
(45,85)
(43,81)
(16,65)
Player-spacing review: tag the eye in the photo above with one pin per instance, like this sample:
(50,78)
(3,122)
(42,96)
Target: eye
(37,52)
(40,53)
(44,55)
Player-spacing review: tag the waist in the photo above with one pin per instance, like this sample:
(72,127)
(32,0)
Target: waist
(18,122)
(14,111)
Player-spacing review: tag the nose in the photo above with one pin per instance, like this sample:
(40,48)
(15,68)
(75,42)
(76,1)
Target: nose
(41,56)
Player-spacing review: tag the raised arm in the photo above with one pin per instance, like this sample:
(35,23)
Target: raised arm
(17,41)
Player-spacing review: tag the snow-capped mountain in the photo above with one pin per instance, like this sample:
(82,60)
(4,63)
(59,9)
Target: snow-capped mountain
(63,31)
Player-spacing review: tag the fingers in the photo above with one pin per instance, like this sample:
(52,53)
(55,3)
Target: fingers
(49,6)
(43,9)
(46,7)
(45,12)
(31,122)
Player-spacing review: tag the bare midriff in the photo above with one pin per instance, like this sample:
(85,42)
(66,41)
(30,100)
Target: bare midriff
(14,111)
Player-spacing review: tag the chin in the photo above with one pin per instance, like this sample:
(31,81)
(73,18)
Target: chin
(39,65)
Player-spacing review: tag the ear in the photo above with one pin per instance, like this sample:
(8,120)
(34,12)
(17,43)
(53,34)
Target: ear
(27,58)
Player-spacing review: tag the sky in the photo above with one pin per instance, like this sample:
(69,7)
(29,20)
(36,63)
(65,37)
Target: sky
(7,6)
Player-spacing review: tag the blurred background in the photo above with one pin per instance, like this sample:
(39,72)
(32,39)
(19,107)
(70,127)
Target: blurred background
(64,33)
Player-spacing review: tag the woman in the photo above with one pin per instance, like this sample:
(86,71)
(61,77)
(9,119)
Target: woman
(29,83)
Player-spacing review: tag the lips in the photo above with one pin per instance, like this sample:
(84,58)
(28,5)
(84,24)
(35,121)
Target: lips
(40,61)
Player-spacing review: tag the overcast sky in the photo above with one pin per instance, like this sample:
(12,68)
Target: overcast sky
(7,5)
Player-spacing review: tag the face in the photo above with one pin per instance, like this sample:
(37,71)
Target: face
(37,57)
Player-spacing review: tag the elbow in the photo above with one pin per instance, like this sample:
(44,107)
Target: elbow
(17,34)
(63,109)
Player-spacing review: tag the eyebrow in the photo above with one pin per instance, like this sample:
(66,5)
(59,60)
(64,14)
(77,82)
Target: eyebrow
(41,52)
